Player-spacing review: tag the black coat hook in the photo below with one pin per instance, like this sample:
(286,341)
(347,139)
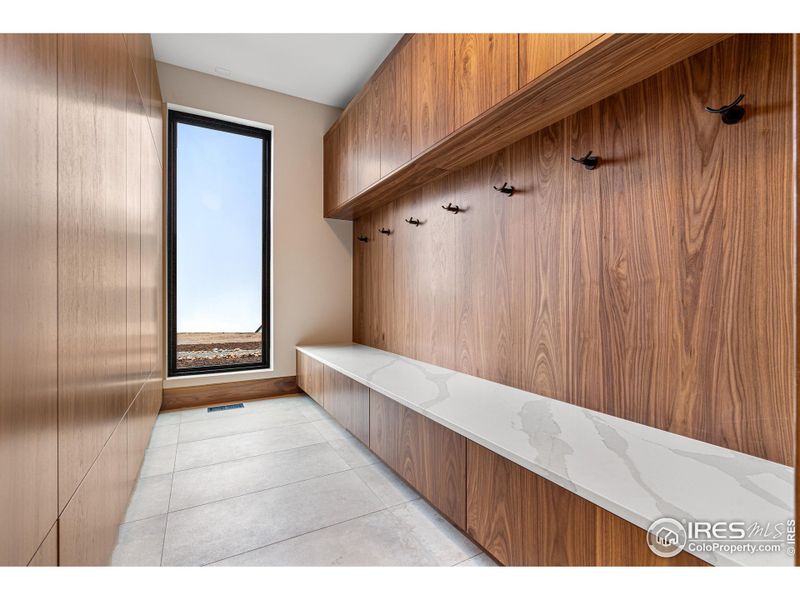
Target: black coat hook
(589,162)
(362,238)
(453,209)
(731,113)
(385,231)
(506,189)
(413,221)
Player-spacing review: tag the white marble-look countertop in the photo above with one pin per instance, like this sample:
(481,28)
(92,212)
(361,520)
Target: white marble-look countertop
(637,472)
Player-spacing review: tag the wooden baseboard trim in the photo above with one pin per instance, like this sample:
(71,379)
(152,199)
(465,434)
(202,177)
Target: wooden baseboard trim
(223,393)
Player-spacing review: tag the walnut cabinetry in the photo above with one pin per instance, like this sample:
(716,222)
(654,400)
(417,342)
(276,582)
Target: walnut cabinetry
(310,377)
(524,520)
(439,102)
(80,234)
(429,456)
(347,401)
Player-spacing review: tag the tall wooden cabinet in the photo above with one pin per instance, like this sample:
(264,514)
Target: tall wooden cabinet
(81,240)
(28,296)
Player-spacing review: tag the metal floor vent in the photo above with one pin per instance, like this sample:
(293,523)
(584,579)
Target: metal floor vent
(226,407)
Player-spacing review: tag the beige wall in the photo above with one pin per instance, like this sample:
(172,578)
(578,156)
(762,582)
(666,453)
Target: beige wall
(312,256)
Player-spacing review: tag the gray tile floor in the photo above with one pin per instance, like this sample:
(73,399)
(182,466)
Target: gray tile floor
(277,482)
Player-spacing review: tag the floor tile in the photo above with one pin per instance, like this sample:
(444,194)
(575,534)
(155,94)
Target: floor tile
(222,529)
(150,498)
(446,543)
(250,406)
(226,480)
(387,486)
(255,420)
(314,412)
(481,560)
(140,543)
(166,435)
(221,449)
(158,461)
(168,418)
(377,539)
(354,452)
(331,430)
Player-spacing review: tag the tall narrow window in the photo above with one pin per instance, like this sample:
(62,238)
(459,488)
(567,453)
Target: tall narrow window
(218,236)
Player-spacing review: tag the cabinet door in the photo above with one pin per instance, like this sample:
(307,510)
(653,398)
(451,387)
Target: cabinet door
(432,66)
(394,84)
(310,377)
(539,52)
(28,293)
(331,169)
(485,72)
(348,158)
(430,457)
(367,109)
(347,401)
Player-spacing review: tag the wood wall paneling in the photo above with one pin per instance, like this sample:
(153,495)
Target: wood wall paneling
(657,287)
(489,279)
(151,250)
(28,301)
(89,523)
(380,252)
(432,94)
(540,52)
(141,57)
(423,298)
(92,257)
(485,72)
(525,520)
(347,401)
(47,554)
(430,457)
(224,393)
(394,88)
(362,278)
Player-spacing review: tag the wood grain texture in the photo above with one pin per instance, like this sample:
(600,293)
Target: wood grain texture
(152,253)
(380,253)
(47,554)
(423,298)
(88,526)
(28,294)
(369,129)
(394,85)
(430,457)
(347,401)
(140,53)
(348,157)
(486,72)
(432,89)
(540,52)
(92,395)
(310,377)
(489,280)
(331,158)
(658,287)
(362,279)
(135,117)
(796,199)
(223,393)
(525,520)
(155,107)
(609,64)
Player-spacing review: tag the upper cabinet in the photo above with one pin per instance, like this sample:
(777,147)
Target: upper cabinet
(485,72)
(394,83)
(540,52)
(441,102)
(432,80)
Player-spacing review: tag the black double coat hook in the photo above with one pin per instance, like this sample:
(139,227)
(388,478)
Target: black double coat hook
(589,162)
(506,189)
(731,113)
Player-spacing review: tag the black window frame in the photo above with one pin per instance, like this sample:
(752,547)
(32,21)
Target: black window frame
(174,118)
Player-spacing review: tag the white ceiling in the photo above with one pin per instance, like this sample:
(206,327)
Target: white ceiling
(324,67)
